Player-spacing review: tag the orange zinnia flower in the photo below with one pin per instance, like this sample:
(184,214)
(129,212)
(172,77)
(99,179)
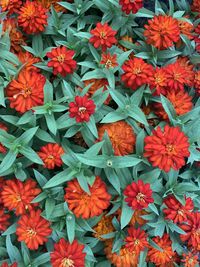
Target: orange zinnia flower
(5,264)
(26,91)
(103,227)
(103,36)
(186,28)
(4,219)
(136,240)
(158,81)
(161,257)
(87,205)
(51,155)
(136,73)
(61,59)
(192,229)
(2,147)
(197,81)
(125,257)
(33,229)
(185,63)
(175,211)
(32,17)
(27,59)
(110,61)
(137,217)
(167,149)
(55,3)
(129,6)
(68,255)
(190,260)
(12,6)
(17,195)
(162,31)
(121,135)
(181,102)
(138,195)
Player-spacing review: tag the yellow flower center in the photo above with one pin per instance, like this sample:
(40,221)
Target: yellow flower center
(108,64)
(31,232)
(181,212)
(66,262)
(103,35)
(140,197)
(61,58)
(170,149)
(137,70)
(82,110)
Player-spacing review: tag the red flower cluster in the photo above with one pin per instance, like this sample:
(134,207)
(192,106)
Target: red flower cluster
(129,6)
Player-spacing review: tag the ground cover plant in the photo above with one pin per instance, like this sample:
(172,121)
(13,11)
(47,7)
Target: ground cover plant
(99,133)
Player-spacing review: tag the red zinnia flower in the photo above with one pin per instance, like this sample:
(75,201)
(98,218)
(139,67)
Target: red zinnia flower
(138,195)
(87,205)
(5,264)
(136,73)
(158,81)
(190,260)
(185,63)
(51,155)
(33,229)
(197,81)
(161,257)
(32,17)
(110,61)
(81,109)
(103,36)
(26,91)
(12,6)
(136,240)
(4,219)
(195,6)
(129,6)
(17,195)
(186,28)
(167,149)
(192,229)
(66,254)
(162,31)
(175,211)
(61,60)
(2,147)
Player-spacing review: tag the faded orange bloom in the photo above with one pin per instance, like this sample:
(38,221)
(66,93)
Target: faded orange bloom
(186,28)
(110,61)
(136,218)
(125,38)
(87,205)
(103,227)
(27,59)
(197,81)
(55,3)
(4,219)
(12,6)
(17,195)
(190,259)
(121,135)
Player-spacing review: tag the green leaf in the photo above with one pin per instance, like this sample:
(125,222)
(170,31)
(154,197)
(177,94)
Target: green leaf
(95,161)
(7,162)
(49,207)
(51,123)
(26,137)
(43,258)
(126,215)
(168,107)
(29,153)
(70,223)
(137,114)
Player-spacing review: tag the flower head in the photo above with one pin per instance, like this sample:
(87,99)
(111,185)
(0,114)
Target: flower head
(26,91)
(190,259)
(51,155)
(81,109)
(136,240)
(167,149)
(197,81)
(104,227)
(129,6)
(27,59)
(68,255)
(162,31)
(138,195)
(87,205)
(103,36)
(33,229)
(32,17)
(55,3)
(121,135)
(195,6)
(136,73)
(158,81)
(185,63)
(186,28)
(175,211)
(61,59)
(10,6)
(4,219)
(2,147)
(137,217)
(110,61)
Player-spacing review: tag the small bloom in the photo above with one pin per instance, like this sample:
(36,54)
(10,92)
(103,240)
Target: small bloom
(138,195)
(158,81)
(87,205)
(4,219)
(17,195)
(161,257)
(2,147)
(55,3)
(27,59)
(136,73)
(110,61)
(81,109)
(185,63)
(26,91)
(5,264)
(167,149)
(129,6)
(197,81)
(195,6)
(190,260)
(103,227)
(175,211)
(162,31)
(51,155)
(103,36)
(137,217)
(61,59)
(136,240)
(186,28)
(121,135)
(10,6)
(33,229)
(32,17)
(68,255)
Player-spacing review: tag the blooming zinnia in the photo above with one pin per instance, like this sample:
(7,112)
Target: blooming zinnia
(167,148)
(196,6)
(17,195)
(81,109)
(51,155)
(5,264)
(61,59)
(26,91)
(110,61)
(158,81)
(129,6)
(27,59)
(197,81)
(159,257)
(32,17)
(162,31)
(138,195)
(190,260)
(33,229)
(2,147)
(103,36)
(4,219)
(68,255)
(10,6)
(136,240)
(175,211)
(103,227)
(87,205)
(121,135)
(136,73)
